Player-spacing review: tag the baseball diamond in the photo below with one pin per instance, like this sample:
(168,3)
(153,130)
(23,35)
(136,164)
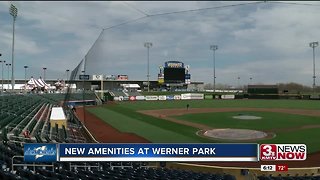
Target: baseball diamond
(282,121)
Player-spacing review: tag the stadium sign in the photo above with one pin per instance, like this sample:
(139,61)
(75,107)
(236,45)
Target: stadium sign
(111,77)
(97,77)
(174,64)
(122,77)
(84,77)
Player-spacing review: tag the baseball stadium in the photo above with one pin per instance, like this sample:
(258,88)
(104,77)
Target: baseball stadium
(168,105)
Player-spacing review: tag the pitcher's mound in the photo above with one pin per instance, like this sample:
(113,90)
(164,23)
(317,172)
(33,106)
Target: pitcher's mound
(246,117)
(235,134)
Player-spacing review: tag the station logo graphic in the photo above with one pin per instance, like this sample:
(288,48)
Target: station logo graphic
(276,152)
(40,152)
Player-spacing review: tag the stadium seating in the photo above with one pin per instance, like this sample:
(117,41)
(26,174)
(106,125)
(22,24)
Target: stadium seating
(117,93)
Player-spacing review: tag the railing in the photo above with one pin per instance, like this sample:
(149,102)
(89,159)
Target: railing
(85,166)
(32,165)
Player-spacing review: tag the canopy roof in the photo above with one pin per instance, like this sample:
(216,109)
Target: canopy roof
(37,83)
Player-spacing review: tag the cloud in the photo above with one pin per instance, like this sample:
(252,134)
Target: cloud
(268,41)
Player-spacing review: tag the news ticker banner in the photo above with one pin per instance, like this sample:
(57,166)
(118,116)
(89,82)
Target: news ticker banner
(163,152)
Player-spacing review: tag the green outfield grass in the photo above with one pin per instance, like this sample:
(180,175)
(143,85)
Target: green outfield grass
(295,104)
(124,117)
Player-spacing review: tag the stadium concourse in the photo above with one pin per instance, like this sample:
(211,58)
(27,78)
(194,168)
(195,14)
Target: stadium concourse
(24,118)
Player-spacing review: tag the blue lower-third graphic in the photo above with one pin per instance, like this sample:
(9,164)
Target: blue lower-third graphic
(40,152)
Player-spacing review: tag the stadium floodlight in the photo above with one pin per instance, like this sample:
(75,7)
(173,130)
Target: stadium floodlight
(83,103)
(44,73)
(239,81)
(8,74)
(148,45)
(25,76)
(67,71)
(250,80)
(13,12)
(2,62)
(214,48)
(314,45)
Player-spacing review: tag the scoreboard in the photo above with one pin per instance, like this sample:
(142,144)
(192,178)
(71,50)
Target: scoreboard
(174,75)
(174,72)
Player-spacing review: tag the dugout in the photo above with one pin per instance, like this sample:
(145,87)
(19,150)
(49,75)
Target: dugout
(58,117)
(262,89)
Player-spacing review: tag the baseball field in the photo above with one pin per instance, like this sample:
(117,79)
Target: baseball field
(282,121)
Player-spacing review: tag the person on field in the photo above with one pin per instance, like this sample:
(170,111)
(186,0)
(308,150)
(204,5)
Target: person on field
(188,106)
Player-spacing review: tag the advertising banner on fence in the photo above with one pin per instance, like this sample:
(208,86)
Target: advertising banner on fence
(229,96)
(192,96)
(151,98)
(208,96)
(176,97)
(162,98)
(140,98)
(132,98)
(170,97)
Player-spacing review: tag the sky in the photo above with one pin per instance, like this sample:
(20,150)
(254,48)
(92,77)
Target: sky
(265,41)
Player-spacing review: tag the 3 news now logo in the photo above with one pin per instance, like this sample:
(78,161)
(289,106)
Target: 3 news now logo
(273,152)
(40,152)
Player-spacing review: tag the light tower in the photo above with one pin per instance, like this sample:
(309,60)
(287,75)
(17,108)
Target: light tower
(13,13)
(214,48)
(67,71)
(8,73)
(25,76)
(44,73)
(313,45)
(148,45)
